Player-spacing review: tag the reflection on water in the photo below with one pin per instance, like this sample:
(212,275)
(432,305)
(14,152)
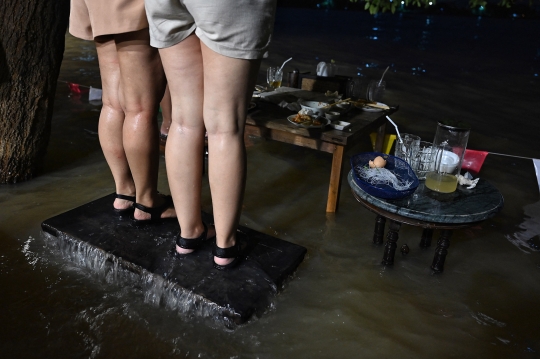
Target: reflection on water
(527,238)
(341,302)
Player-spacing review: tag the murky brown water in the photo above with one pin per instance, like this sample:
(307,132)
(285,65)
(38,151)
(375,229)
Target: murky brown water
(341,302)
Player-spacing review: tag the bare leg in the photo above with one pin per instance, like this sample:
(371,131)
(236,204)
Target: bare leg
(219,86)
(143,85)
(228,85)
(184,69)
(111,120)
(166,112)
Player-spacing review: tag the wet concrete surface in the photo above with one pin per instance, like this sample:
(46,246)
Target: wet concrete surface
(342,302)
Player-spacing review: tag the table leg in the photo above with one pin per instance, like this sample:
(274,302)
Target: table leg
(381,131)
(379,230)
(442,250)
(427,234)
(335,179)
(391,245)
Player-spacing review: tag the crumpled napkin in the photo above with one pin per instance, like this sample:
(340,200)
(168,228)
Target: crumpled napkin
(293,106)
(464,181)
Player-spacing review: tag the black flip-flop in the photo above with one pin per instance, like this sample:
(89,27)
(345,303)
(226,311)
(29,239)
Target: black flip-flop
(236,252)
(155,212)
(192,243)
(125,211)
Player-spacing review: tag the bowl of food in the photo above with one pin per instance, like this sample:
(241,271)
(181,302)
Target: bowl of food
(315,106)
(395,180)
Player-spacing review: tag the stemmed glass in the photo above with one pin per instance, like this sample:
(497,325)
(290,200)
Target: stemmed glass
(274,76)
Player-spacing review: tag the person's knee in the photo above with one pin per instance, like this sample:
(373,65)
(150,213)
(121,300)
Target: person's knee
(111,106)
(224,128)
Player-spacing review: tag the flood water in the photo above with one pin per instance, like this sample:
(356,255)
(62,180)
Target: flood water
(341,302)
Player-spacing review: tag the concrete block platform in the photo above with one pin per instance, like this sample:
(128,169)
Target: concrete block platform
(234,295)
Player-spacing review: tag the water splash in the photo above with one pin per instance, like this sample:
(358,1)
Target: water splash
(157,291)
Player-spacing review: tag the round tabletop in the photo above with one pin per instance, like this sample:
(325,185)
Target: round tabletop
(460,207)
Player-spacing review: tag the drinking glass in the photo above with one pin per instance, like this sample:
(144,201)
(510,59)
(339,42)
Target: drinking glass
(449,147)
(353,89)
(422,161)
(407,149)
(375,90)
(274,76)
(441,177)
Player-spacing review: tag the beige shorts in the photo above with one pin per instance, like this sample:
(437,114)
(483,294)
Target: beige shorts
(91,18)
(234,28)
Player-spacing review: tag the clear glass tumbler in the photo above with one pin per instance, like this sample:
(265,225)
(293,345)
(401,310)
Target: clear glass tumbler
(375,90)
(407,148)
(274,77)
(422,160)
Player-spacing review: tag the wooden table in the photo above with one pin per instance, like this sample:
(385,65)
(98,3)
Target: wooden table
(430,210)
(269,121)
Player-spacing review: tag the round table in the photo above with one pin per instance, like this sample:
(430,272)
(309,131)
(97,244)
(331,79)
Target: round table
(430,210)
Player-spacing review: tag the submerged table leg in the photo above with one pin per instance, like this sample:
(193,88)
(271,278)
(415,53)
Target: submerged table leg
(335,179)
(391,245)
(442,250)
(381,131)
(379,229)
(427,234)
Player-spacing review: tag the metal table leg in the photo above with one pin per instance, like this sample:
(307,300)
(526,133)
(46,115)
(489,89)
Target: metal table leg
(441,251)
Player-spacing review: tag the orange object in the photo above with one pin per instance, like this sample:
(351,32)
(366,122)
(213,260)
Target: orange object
(473,161)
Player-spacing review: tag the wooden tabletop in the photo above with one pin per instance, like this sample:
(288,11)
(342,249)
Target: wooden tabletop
(268,114)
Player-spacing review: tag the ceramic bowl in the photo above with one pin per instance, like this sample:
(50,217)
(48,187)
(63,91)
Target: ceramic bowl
(315,106)
(382,190)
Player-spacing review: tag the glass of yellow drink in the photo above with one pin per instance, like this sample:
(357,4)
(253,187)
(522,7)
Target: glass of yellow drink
(274,76)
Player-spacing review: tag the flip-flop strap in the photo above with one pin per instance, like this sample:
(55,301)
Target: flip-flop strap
(230,252)
(155,211)
(123,196)
(194,242)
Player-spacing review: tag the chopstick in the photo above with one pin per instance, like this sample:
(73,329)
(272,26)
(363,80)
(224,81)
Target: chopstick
(335,103)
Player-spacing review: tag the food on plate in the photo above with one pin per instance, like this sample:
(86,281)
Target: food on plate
(377,162)
(366,103)
(306,120)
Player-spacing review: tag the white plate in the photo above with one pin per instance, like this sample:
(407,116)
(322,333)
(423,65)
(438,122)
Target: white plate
(324,121)
(368,108)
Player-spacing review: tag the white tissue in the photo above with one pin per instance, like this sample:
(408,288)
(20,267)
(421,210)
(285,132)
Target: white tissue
(467,182)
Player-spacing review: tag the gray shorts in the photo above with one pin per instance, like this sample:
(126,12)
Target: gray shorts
(234,28)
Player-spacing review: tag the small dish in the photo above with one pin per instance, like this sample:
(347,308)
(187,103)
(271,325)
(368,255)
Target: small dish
(340,125)
(332,116)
